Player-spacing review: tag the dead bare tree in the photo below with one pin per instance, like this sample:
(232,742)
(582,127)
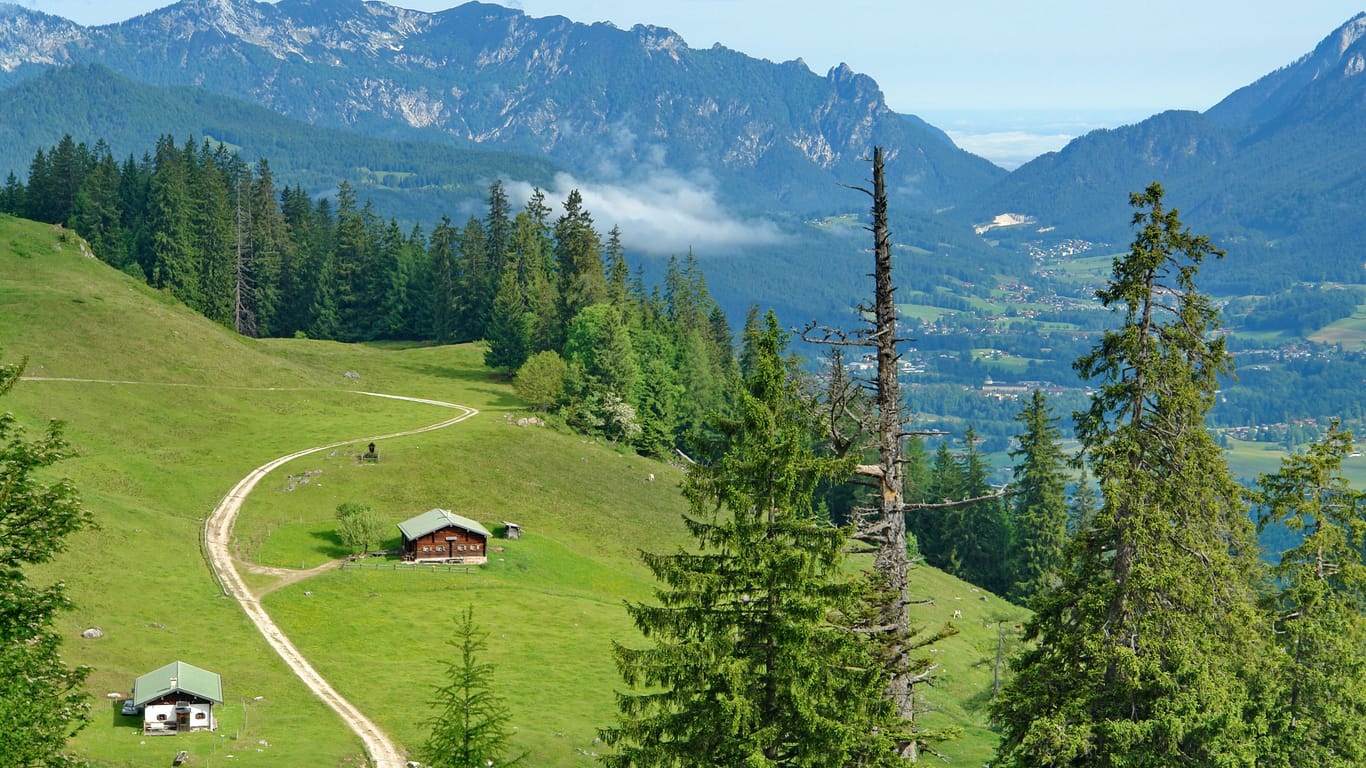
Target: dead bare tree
(243,318)
(860,412)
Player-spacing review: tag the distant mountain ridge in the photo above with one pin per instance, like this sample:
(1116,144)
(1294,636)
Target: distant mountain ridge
(597,99)
(1272,172)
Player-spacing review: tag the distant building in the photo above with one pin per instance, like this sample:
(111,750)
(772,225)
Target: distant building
(178,697)
(441,536)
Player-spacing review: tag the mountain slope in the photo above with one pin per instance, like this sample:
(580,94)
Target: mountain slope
(182,409)
(603,101)
(1272,173)
(410,179)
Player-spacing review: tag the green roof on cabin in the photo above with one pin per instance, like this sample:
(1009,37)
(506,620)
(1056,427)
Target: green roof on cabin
(435,520)
(178,676)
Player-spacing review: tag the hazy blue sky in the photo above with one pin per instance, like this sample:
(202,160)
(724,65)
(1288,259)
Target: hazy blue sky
(1002,76)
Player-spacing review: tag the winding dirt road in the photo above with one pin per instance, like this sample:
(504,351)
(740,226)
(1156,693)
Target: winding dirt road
(382,751)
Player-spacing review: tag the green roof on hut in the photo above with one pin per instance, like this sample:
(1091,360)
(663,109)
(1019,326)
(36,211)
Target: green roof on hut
(178,676)
(435,520)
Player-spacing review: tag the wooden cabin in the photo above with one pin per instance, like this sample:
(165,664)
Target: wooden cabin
(178,698)
(439,536)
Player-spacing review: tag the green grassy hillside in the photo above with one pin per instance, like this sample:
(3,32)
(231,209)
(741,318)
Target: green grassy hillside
(171,410)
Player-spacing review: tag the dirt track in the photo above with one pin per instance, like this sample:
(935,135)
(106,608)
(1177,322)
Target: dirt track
(382,751)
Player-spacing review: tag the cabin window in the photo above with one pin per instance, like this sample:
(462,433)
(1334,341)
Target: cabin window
(161,718)
(199,715)
(440,547)
(461,547)
(426,549)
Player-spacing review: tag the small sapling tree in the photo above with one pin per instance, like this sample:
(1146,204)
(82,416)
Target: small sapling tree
(470,729)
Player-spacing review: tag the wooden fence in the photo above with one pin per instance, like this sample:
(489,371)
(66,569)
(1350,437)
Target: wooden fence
(361,565)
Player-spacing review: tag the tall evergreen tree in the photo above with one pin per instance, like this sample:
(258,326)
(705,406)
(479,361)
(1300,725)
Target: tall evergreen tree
(476,288)
(983,542)
(441,259)
(747,667)
(267,242)
(211,199)
(97,213)
(300,262)
(1039,500)
(1145,654)
(38,197)
(1320,609)
(351,257)
(578,252)
(510,325)
(936,524)
(174,257)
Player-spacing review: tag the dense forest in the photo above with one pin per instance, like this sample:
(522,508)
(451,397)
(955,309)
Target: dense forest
(555,300)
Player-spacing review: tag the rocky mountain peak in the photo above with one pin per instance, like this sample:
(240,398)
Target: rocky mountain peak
(33,37)
(1338,55)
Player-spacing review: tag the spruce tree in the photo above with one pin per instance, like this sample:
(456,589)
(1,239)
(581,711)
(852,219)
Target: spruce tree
(747,667)
(441,259)
(1319,611)
(1039,500)
(267,241)
(471,727)
(510,325)
(578,252)
(1145,654)
(174,260)
(983,542)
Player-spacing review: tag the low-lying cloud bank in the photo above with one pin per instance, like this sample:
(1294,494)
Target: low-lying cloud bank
(662,213)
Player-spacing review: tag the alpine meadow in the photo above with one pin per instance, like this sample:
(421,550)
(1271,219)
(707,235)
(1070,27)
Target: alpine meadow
(393,388)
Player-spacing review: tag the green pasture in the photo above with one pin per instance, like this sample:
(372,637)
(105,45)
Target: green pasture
(169,411)
(1099,266)
(1350,332)
(1247,459)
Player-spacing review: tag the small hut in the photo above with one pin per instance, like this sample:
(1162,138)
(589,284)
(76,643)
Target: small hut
(440,536)
(511,530)
(178,697)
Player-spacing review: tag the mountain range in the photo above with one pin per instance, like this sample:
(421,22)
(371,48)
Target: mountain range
(597,99)
(1271,172)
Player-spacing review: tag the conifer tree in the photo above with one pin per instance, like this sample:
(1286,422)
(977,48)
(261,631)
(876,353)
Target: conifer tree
(471,727)
(12,195)
(983,543)
(444,280)
(174,258)
(1145,654)
(213,239)
(1039,500)
(97,213)
(936,523)
(746,666)
(510,325)
(300,262)
(475,286)
(578,252)
(1319,611)
(265,248)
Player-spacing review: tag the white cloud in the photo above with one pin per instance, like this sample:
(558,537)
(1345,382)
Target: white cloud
(662,213)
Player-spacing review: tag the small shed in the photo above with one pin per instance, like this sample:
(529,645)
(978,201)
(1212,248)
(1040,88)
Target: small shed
(511,530)
(441,536)
(178,697)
